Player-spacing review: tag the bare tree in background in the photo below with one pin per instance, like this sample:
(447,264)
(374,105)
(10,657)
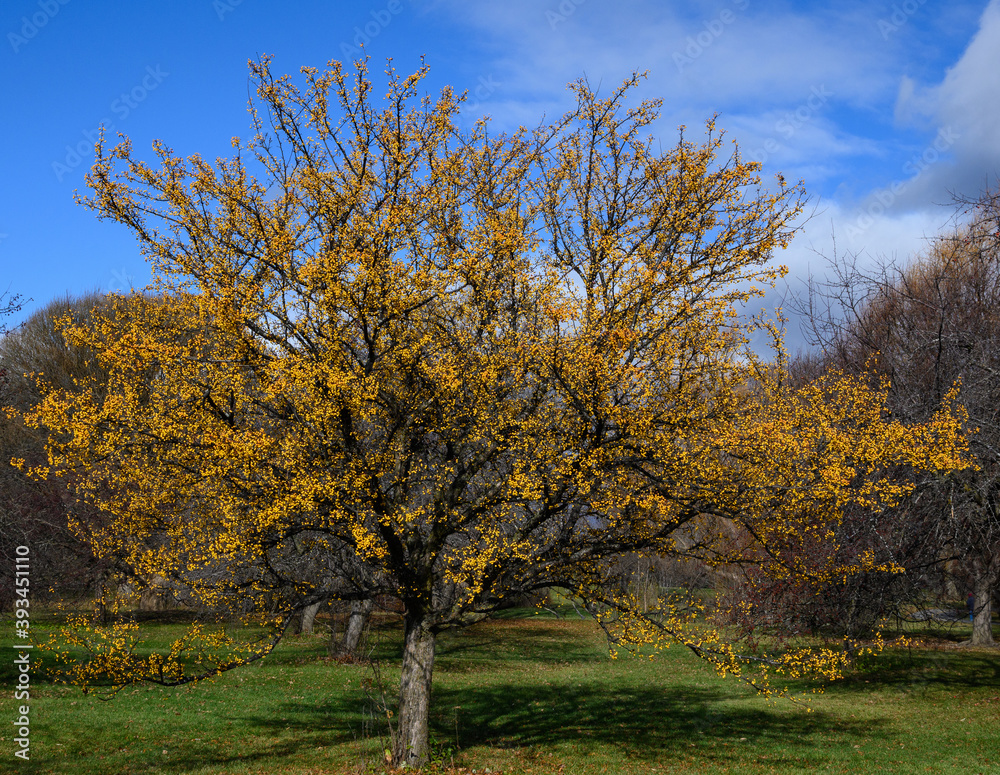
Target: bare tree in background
(9,304)
(928,325)
(35,513)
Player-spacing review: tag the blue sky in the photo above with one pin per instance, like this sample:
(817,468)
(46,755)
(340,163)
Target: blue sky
(882,109)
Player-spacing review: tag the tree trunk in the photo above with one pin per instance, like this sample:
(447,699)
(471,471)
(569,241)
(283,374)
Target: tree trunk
(103,596)
(982,621)
(308,618)
(352,634)
(414,695)
(356,625)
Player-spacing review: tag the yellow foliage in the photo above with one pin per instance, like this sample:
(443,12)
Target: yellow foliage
(450,366)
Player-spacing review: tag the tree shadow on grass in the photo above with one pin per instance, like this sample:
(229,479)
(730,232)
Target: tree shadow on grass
(638,723)
(642,723)
(233,739)
(922,670)
(491,642)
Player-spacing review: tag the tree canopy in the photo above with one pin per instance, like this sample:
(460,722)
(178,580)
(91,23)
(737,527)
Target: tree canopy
(389,354)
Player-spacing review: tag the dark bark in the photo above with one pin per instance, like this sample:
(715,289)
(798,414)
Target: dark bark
(102,608)
(414,694)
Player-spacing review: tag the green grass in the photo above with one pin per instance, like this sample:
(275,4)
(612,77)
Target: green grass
(522,695)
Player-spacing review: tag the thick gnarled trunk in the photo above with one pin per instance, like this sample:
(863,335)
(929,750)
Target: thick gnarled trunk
(414,694)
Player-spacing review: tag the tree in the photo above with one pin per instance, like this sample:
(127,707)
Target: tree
(449,367)
(9,304)
(35,513)
(926,326)
(904,563)
(900,539)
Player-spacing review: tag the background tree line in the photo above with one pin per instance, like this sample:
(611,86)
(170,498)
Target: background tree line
(925,326)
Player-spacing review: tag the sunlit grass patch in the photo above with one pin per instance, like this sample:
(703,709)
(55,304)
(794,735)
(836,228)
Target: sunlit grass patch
(529,695)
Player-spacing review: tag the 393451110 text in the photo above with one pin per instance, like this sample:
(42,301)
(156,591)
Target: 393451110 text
(22,625)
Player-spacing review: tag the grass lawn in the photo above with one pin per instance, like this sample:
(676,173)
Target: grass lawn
(522,695)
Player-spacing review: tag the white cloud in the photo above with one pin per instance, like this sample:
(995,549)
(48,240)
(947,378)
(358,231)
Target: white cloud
(758,68)
(761,69)
(967,101)
(891,239)
(729,58)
